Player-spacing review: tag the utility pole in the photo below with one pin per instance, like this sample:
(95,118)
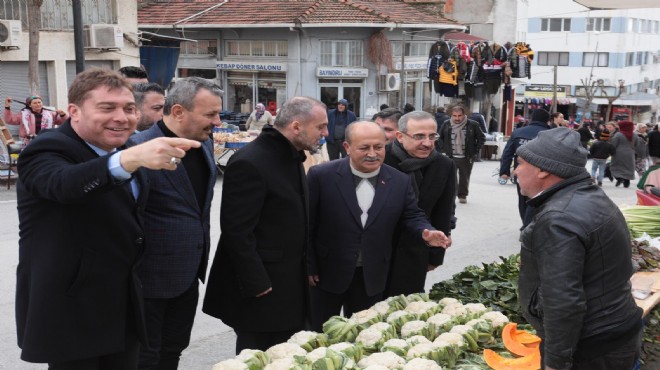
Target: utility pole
(553,109)
(78,36)
(402,71)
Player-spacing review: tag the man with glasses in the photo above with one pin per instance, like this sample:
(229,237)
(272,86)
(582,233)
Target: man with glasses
(355,205)
(461,140)
(433,177)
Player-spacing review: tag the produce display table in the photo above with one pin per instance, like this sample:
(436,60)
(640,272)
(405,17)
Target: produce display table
(653,299)
(226,143)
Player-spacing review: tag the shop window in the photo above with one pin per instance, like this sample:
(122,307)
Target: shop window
(599,24)
(595,59)
(257,48)
(413,48)
(552,58)
(555,24)
(192,72)
(630,59)
(348,53)
(200,47)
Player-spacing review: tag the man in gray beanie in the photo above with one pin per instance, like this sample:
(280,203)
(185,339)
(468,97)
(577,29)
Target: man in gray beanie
(574,284)
(338,120)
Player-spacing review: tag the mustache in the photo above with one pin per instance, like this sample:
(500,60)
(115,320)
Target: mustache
(375,158)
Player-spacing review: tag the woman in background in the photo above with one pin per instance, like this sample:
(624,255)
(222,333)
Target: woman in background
(259,118)
(33,118)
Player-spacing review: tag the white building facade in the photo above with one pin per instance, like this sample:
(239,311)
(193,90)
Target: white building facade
(617,50)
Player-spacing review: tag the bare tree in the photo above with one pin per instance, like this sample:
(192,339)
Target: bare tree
(34,24)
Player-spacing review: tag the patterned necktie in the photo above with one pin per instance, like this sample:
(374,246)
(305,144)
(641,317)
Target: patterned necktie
(365,196)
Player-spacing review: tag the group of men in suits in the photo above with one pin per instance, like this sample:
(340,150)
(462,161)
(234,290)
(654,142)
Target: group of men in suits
(114,233)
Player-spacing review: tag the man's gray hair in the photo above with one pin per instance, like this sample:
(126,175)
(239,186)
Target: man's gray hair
(458,108)
(349,129)
(298,108)
(184,91)
(142,89)
(417,115)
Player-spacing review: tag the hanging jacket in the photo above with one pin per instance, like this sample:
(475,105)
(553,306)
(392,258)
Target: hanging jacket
(448,72)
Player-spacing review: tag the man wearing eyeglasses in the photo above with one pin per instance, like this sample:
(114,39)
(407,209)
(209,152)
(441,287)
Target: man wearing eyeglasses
(461,140)
(433,177)
(355,205)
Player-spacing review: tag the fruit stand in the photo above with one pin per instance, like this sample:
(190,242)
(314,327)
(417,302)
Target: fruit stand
(227,141)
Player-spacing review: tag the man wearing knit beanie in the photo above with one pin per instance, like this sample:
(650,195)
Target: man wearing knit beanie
(575,255)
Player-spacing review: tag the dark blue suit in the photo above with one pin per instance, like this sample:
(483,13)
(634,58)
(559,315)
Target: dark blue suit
(337,235)
(177,243)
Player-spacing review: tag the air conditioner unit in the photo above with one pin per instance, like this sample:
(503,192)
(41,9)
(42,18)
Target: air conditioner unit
(10,33)
(104,36)
(389,82)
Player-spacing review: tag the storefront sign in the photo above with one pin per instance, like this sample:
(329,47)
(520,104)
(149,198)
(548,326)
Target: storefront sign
(544,91)
(411,66)
(251,66)
(334,72)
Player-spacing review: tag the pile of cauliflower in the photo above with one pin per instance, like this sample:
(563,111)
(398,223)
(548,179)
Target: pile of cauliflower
(399,333)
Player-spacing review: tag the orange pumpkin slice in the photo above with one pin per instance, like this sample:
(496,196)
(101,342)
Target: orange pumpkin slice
(525,337)
(497,362)
(513,345)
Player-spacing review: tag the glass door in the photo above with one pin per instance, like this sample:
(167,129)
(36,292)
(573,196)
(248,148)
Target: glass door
(331,91)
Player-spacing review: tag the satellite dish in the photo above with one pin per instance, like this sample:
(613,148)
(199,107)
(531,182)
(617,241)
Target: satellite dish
(4,33)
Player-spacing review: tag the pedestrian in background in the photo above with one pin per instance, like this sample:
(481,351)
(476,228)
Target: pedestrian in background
(441,117)
(627,144)
(149,100)
(33,118)
(642,152)
(134,75)
(388,119)
(461,139)
(574,284)
(338,121)
(600,151)
(258,282)
(81,193)
(585,135)
(433,176)
(259,118)
(177,222)
(520,137)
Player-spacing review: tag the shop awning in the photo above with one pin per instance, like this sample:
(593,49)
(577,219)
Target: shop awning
(618,4)
(461,36)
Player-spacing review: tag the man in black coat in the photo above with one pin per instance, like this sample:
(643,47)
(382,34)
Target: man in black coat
(258,283)
(355,204)
(434,180)
(80,195)
(177,222)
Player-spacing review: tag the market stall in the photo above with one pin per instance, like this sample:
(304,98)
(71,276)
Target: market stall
(226,141)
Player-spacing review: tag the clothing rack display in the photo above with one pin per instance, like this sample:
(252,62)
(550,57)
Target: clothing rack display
(477,65)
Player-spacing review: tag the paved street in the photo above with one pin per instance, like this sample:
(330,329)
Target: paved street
(487,228)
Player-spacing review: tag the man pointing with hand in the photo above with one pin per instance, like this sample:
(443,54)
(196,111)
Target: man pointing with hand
(81,192)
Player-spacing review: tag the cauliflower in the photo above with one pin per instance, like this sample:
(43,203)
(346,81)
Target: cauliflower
(412,328)
(451,338)
(417,339)
(475,307)
(369,337)
(281,364)
(382,307)
(232,364)
(454,310)
(253,358)
(420,307)
(396,342)
(447,301)
(396,314)
(302,337)
(366,316)
(475,322)
(387,359)
(460,329)
(382,326)
(317,354)
(421,364)
(420,350)
(439,319)
(349,349)
(497,318)
(376,367)
(285,350)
